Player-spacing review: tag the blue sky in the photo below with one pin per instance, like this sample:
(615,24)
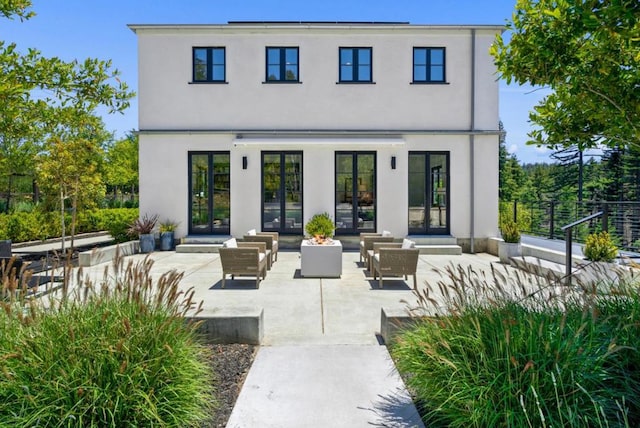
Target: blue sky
(78,29)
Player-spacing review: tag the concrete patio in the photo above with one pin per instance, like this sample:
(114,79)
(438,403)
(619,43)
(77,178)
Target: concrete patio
(321,361)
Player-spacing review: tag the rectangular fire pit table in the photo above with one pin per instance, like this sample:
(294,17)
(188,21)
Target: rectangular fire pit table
(321,260)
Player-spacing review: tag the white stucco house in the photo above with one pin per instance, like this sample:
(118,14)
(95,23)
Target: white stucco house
(261,125)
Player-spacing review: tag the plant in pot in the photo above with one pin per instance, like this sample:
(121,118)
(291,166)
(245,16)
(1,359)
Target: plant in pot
(320,228)
(143,228)
(167,229)
(510,247)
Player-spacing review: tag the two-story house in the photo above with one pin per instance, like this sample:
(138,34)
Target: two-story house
(261,125)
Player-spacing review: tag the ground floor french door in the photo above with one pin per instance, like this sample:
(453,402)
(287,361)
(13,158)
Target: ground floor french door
(355,192)
(209,190)
(282,192)
(429,193)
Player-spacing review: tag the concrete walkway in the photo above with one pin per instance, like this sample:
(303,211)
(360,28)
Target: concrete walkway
(321,363)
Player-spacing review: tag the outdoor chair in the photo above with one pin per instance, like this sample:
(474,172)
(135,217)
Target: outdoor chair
(269,238)
(245,258)
(366,244)
(376,250)
(396,261)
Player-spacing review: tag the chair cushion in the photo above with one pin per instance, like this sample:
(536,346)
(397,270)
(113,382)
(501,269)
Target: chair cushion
(407,243)
(230,243)
(386,233)
(251,232)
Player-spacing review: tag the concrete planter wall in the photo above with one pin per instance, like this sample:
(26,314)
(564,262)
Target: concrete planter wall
(506,250)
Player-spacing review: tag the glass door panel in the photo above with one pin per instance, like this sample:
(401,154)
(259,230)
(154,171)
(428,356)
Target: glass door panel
(428,193)
(282,192)
(209,188)
(293,192)
(417,192)
(355,192)
(271,191)
(221,192)
(344,192)
(438,188)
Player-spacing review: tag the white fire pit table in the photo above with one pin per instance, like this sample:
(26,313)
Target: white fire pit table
(321,260)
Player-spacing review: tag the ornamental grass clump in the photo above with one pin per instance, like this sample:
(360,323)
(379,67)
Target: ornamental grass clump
(113,353)
(521,353)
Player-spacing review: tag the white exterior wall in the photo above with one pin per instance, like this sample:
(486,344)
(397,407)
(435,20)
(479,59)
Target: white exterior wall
(209,117)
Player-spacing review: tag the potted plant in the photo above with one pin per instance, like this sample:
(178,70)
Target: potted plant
(143,228)
(167,229)
(510,247)
(320,227)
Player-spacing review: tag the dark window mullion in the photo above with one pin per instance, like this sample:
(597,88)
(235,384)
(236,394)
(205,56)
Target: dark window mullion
(283,64)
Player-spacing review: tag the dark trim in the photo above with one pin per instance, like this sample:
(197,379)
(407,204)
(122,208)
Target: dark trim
(427,230)
(282,64)
(282,82)
(428,65)
(209,64)
(211,190)
(429,83)
(356,63)
(282,153)
(213,82)
(354,190)
(347,82)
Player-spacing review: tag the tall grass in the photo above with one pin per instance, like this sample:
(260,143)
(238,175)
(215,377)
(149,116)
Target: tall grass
(522,353)
(113,352)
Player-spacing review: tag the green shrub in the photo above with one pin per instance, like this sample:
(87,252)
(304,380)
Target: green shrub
(599,247)
(121,356)
(492,358)
(510,231)
(320,225)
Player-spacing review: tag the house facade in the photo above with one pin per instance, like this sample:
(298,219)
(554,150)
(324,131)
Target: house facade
(261,125)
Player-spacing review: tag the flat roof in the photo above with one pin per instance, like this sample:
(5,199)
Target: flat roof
(318,25)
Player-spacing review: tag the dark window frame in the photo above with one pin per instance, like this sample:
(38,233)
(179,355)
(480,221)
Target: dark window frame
(354,230)
(430,191)
(210,183)
(356,65)
(282,63)
(428,65)
(209,64)
(282,153)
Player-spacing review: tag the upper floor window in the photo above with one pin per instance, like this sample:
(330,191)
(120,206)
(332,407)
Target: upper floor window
(355,65)
(209,64)
(428,65)
(282,64)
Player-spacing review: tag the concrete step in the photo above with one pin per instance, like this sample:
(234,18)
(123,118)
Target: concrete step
(433,239)
(204,239)
(198,248)
(451,250)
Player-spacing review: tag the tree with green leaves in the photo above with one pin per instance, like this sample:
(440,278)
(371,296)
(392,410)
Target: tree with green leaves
(121,163)
(587,52)
(42,98)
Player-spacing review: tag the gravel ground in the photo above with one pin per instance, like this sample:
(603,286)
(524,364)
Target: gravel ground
(231,363)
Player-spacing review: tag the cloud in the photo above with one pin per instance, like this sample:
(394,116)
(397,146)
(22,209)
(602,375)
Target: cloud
(512,149)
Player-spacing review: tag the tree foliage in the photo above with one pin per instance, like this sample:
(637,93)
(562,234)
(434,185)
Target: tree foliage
(587,52)
(47,98)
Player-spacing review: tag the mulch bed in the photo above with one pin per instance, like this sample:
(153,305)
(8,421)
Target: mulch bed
(230,363)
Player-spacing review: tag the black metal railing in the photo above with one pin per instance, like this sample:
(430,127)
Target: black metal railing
(546,219)
(568,232)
